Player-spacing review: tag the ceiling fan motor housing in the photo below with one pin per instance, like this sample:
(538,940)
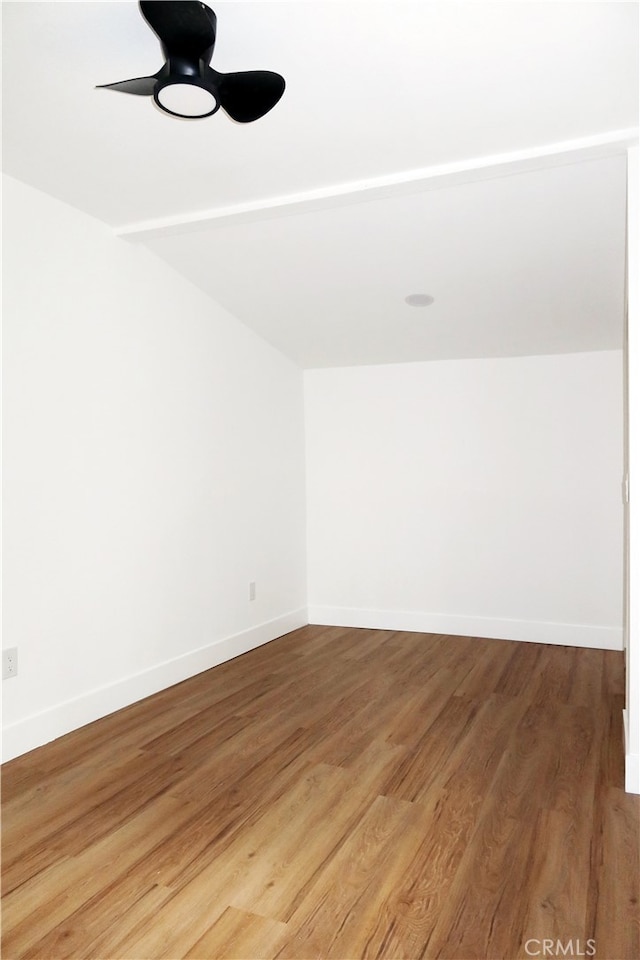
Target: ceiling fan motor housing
(187,89)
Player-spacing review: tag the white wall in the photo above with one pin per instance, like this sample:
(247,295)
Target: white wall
(154,465)
(632,652)
(477,497)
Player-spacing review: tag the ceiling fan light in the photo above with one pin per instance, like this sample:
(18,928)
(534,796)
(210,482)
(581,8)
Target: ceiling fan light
(186,98)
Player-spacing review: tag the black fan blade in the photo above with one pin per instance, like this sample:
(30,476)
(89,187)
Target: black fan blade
(248,95)
(186,28)
(142,86)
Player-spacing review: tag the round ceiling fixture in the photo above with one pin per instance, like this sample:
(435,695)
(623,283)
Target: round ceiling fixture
(186,98)
(418,300)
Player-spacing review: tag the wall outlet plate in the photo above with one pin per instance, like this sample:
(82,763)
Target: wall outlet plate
(9,663)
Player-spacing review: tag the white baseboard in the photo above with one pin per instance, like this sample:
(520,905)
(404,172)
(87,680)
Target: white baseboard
(631,760)
(563,634)
(36,730)
(632,773)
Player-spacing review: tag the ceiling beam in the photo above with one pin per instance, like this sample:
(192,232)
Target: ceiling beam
(373,188)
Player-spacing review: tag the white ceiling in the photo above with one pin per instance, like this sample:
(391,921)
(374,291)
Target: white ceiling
(523,264)
(473,151)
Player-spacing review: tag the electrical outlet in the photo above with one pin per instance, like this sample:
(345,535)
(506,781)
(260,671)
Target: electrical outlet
(252,590)
(9,663)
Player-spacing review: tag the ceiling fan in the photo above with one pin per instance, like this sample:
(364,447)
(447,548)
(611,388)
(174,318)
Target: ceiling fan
(186,86)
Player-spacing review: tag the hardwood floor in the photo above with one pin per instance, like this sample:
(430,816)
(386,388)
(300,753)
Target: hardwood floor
(336,793)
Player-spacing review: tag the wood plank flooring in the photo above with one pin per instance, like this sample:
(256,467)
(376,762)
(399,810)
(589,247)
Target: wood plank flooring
(336,793)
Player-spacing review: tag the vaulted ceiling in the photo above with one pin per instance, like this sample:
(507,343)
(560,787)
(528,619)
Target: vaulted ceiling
(472,151)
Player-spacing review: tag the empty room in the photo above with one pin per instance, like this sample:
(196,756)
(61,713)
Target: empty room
(321,456)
